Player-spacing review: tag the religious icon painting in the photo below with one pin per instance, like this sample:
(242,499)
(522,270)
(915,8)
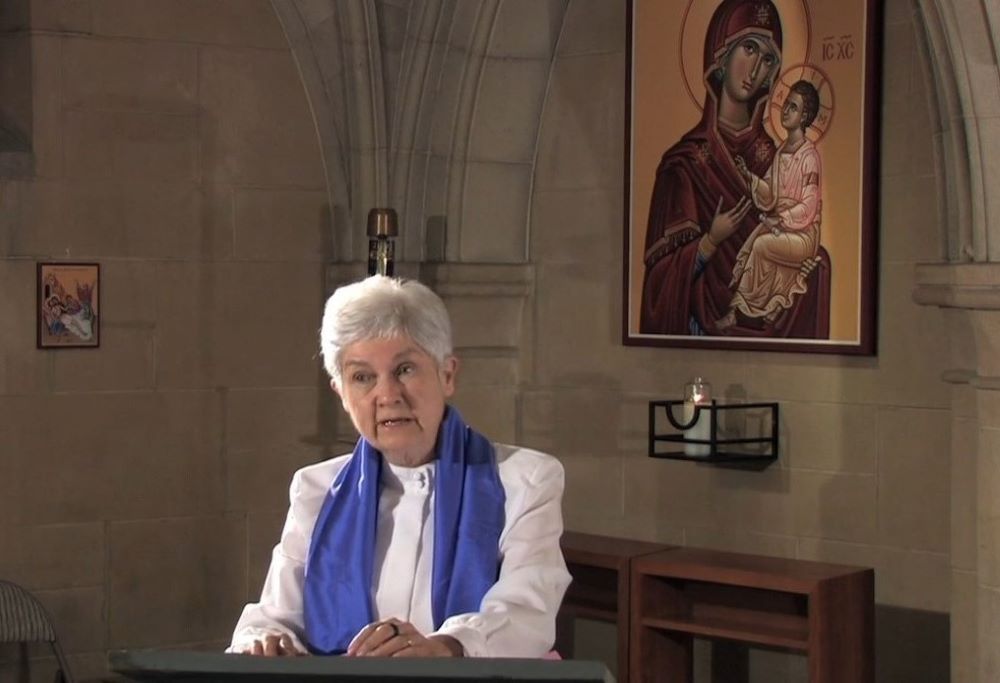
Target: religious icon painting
(68,305)
(750,175)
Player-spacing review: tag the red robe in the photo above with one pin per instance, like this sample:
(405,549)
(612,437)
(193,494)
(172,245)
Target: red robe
(690,179)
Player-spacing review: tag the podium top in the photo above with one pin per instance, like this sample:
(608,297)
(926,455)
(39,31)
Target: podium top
(202,667)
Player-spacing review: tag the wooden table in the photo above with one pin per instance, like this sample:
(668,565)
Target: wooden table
(602,572)
(822,610)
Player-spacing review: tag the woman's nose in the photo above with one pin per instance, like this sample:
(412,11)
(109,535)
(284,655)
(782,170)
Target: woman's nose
(756,67)
(389,390)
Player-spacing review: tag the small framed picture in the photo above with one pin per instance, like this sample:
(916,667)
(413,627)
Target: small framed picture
(68,309)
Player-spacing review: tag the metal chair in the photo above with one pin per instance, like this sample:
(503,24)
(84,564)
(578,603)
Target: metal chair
(24,620)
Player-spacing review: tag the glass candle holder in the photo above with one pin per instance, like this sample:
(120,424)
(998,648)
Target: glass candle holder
(698,393)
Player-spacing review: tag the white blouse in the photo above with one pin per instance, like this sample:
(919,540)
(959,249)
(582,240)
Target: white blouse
(517,615)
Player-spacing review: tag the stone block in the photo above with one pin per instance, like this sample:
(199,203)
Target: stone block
(964,624)
(575,322)
(593,482)
(671,490)
(586,420)
(24,368)
(45,557)
(126,75)
(16,88)
(484,368)
(908,369)
(492,410)
(275,417)
(989,130)
(736,541)
(962,501)
(987,473)
(580,143)
(61,16)
(131,145)
(283,224)
(47,114)
(829,436)
(913,479)
(35,218)
(175,581)
(572,227)
(116,456)
(593,26)
(834,506)
(903,578)
(508,109)
(494,212)
(486,322)
(263,533)
(909,216)
(78,616)
(124,362)
(239,324)
(248,23)
(450,102)
(256,127)
(257,479)
(527,29)
(126,293)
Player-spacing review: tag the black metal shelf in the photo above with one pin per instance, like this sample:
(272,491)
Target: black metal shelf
(718,447)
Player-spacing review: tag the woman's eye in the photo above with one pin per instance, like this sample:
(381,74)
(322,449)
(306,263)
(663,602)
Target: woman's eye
(404,369)
(361,377)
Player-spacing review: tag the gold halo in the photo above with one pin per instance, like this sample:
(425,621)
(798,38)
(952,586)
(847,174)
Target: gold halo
(824,118)
(795,29)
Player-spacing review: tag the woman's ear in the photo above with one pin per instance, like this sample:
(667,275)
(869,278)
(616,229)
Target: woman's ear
(449,373)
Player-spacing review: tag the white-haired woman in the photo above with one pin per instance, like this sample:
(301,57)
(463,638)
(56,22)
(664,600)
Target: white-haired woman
(428,540)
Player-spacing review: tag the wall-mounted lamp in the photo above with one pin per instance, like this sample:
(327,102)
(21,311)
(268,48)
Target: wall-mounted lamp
(383,227)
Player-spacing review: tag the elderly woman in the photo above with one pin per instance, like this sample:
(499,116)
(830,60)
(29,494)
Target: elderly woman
(428,540)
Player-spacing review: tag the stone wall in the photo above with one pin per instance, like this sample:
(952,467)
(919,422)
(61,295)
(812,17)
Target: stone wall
(142,484)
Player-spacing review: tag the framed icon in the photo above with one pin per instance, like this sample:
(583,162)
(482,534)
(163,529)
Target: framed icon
(751,181)
(68,305)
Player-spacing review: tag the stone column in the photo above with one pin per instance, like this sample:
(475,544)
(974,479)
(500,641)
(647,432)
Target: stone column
(971,293)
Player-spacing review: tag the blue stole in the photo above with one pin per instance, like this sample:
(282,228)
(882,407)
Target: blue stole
(468,519)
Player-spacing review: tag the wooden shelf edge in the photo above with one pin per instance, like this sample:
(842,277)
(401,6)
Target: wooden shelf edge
(797,641)
(589,612)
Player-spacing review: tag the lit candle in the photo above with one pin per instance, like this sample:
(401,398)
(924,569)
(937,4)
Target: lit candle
(698,393)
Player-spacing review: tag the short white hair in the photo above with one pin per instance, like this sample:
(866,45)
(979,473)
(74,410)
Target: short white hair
(381,307)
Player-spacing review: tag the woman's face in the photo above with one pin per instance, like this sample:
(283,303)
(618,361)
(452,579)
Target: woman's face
(748,66)
(395,393)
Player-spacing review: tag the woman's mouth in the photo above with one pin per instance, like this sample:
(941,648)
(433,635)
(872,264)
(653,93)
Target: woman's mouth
(395,422)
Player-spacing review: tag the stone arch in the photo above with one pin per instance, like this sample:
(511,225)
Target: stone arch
(409,111)
(961,41)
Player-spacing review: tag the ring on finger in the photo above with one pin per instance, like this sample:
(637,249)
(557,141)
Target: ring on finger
(394,627)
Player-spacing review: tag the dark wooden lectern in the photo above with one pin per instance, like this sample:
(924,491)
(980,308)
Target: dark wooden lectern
(215,667)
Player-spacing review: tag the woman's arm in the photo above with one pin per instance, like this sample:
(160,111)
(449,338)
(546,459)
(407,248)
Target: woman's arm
(517,615)
(278,613)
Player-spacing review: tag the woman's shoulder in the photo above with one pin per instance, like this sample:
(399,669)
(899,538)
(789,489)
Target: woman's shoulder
(317,478)
(526,464)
